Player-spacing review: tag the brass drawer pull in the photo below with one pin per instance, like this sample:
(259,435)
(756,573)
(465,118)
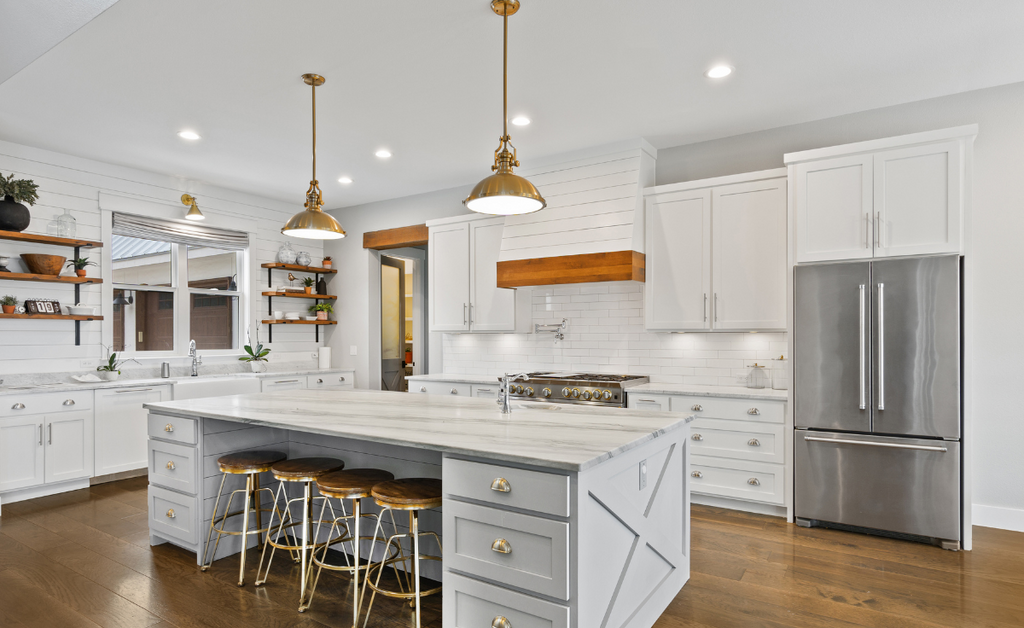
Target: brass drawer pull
(170,514)
(501,546)
(696,437)
(697,474)
(170,465)
(168,428)
(501,485)
(697,407)
(753,442)
(754,482)
(501,622)
(753,411)
(68,402)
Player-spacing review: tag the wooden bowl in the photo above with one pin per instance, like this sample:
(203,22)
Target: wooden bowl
(43,264)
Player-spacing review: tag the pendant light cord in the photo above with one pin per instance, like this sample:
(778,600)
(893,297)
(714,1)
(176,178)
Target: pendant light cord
(314,131)
(504,76)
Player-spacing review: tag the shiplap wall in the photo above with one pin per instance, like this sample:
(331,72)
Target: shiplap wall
(594,205)
(77,184)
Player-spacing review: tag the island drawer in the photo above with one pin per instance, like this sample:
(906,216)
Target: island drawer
(523,551)
(506,486)
(173,466)
(470,603)
(329,381)
(441,388)
(637,401)
(739,479)
(45,403)
(173,428)
(743,440)
(733,409)
(172,514)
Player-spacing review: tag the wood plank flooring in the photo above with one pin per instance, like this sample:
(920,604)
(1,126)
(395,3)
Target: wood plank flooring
(83,559)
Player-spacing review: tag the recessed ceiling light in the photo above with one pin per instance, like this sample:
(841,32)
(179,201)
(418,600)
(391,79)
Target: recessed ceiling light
(345,180)
(520,120)
(383,154)
(188,135)
(719,71)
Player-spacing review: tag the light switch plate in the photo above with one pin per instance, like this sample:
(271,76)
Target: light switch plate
(643,474)
(353,349)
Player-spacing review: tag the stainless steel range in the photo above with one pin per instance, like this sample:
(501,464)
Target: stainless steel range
(579,388)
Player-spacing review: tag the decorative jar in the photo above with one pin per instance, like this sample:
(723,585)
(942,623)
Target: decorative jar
(303,259)
(285,254)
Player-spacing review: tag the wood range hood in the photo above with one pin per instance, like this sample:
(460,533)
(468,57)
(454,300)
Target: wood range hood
(567,269)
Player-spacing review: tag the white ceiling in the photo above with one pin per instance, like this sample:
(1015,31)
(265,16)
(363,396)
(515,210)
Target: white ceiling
(423,79)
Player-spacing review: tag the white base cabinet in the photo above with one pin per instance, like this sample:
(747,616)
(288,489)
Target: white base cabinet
(45,449)
(121,435)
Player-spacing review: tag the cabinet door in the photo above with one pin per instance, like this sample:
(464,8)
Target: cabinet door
(121,427)
(678,282)
(833,209)
(69,446)
(21,452)
(490,308)
(749,255)
(917,200)
(448,265)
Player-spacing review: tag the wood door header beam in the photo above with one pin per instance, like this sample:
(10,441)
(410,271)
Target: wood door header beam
(588,268)
(413,235)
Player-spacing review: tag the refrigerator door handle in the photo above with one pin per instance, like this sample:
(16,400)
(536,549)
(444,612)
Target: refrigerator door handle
(843,441)
(863,352)
(881,346)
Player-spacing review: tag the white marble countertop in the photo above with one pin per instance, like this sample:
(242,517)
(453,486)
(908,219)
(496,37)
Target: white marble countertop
(736,392)
(572,438)
(66,386)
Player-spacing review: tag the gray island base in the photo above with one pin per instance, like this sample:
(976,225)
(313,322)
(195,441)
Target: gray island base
(597,512)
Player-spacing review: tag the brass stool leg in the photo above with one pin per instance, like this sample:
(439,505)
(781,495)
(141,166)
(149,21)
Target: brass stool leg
(213,519)
(259,506)
(356,513)
(306,507)
(261,579)
(415,516)
(245,527)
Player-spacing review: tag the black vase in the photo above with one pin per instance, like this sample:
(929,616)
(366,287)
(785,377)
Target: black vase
(321,286)
(13,216)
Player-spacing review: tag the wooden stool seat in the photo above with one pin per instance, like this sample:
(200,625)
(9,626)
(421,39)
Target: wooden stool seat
(351,483)
(305,469)
(249,461)
(408,494)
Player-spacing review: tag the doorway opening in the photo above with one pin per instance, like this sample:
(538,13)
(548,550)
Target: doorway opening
(400,332)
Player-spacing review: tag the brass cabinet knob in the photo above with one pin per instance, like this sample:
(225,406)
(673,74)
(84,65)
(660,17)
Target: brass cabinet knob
(170,465)
(754,482)
(697,474)
(68,402)
(501,485)
(697,407)
(696,437)
(753,411)
(168,428)
(501,546)
(753,442)
(501,622)
(170,514)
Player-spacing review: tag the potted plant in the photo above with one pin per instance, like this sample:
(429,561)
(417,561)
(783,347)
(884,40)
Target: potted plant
(328,262)
(9,303)
(256,356)
(13,215)
(321,310)
(111,369)
(308,284)
(80,264)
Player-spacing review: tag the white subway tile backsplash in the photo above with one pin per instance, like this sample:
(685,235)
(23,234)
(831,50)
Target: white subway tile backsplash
(606,335)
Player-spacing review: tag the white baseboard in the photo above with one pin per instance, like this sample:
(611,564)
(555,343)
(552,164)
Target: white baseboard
(996,517)
(44,490)
(738,504)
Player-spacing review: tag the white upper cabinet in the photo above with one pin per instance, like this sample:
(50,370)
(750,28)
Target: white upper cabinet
(883,198)
(463,266)
(749,255)
(716,254)
(678,261)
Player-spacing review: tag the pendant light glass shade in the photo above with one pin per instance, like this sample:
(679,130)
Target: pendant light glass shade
(504,193)
(312,223)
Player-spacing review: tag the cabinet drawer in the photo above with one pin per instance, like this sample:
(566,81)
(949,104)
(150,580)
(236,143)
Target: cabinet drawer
(45,403)
(173,466)
(538,549)
(329,381)
(470,603)
(640,401)
(530,490)
(739,479)
(733,409)
(173,428)
(441,388)
(172,514)
(286,383)
(743,440)
(486,391)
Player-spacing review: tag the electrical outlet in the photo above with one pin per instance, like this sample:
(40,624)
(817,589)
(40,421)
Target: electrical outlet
(86,364)
(353,350)
(643,474)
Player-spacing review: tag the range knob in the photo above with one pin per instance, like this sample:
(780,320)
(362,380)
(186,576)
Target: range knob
(519,390)
(586,395)
(606,395)
(546,392)
(566,393)
(575,393)
(529,391)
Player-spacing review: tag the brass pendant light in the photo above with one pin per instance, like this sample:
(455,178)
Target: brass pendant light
(312,222)
(504,193)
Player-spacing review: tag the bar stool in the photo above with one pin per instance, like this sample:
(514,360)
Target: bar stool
(412,495)
(306,471)
(354,484)
(250,464)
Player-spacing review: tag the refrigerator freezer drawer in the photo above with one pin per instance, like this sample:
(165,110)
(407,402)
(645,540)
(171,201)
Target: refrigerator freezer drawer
(902,485)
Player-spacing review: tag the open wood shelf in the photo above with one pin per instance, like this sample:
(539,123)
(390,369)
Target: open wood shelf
(49,278)
(55,317)
(302,269)
(44,239)
(301,295)
(284,321)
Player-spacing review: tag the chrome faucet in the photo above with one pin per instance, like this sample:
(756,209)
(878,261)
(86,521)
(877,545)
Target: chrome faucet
(196,360)
(504,397)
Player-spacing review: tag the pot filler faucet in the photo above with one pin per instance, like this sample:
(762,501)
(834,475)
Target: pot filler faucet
(506,386)
(196,360)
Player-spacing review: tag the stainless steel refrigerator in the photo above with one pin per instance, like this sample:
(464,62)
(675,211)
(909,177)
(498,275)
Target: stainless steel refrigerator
(877,396)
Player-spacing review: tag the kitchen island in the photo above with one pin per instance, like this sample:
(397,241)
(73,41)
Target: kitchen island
(599,497)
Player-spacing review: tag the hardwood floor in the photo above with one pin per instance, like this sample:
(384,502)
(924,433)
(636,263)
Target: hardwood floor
(83,559)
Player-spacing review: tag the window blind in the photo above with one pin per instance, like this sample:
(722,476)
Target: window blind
(169,231)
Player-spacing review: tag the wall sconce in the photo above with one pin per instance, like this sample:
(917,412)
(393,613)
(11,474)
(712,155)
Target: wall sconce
(193,211)
(121,299)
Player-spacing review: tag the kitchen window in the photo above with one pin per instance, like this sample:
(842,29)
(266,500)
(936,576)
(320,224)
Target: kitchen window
(174,283)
